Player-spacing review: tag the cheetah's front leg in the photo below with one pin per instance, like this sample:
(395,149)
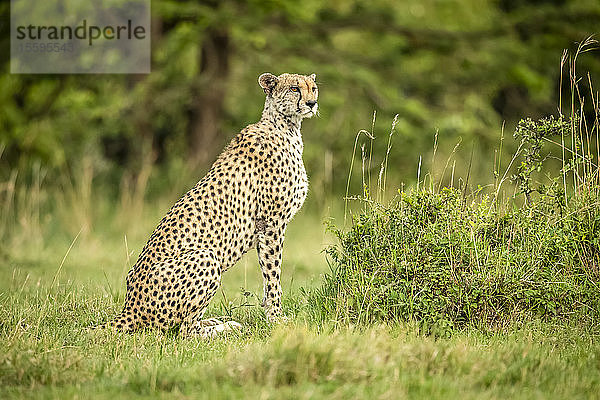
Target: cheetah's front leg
(270,248)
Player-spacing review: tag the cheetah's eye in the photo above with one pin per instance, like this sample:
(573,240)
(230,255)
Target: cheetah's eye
(294,88)
(314,89)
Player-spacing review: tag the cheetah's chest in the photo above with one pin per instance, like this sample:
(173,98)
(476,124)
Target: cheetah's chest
(285,183)
(299,192)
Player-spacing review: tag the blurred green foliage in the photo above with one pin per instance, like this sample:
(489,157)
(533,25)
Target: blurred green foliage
(458,67)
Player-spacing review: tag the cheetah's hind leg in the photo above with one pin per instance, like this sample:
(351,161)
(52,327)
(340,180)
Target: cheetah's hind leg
(200,295)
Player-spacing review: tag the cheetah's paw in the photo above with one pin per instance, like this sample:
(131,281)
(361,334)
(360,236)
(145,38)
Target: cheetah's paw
(212,331)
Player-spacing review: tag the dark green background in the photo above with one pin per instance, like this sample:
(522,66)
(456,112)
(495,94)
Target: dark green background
(459,68)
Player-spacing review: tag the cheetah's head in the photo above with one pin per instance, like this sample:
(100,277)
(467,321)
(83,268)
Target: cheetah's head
(292,95)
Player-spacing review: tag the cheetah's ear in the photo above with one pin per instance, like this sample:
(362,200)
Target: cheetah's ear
(313,77)
(267,81)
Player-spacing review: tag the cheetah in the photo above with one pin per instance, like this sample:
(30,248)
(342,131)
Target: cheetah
(246,200)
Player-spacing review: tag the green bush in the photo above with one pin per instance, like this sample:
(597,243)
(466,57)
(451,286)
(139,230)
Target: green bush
(447,260)
(434,258)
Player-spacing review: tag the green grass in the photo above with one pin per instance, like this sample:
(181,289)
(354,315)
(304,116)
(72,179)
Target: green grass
(47,352)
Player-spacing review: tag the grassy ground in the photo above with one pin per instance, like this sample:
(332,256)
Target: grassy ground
(54,284)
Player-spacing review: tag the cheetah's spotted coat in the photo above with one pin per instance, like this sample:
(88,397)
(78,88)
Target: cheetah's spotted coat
(246,200)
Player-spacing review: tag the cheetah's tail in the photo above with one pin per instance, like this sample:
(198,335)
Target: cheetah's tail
(125,322)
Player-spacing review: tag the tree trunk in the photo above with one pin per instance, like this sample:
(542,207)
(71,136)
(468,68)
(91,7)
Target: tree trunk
(204,132)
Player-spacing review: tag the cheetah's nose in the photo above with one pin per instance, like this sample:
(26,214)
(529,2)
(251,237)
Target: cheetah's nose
(311,103)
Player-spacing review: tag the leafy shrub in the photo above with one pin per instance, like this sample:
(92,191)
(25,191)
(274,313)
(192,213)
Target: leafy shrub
(448,261)
(437,259)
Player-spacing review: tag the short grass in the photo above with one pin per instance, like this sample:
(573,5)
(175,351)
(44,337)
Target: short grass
(46,350)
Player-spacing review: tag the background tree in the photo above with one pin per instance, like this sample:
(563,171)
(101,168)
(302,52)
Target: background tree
(459,68)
